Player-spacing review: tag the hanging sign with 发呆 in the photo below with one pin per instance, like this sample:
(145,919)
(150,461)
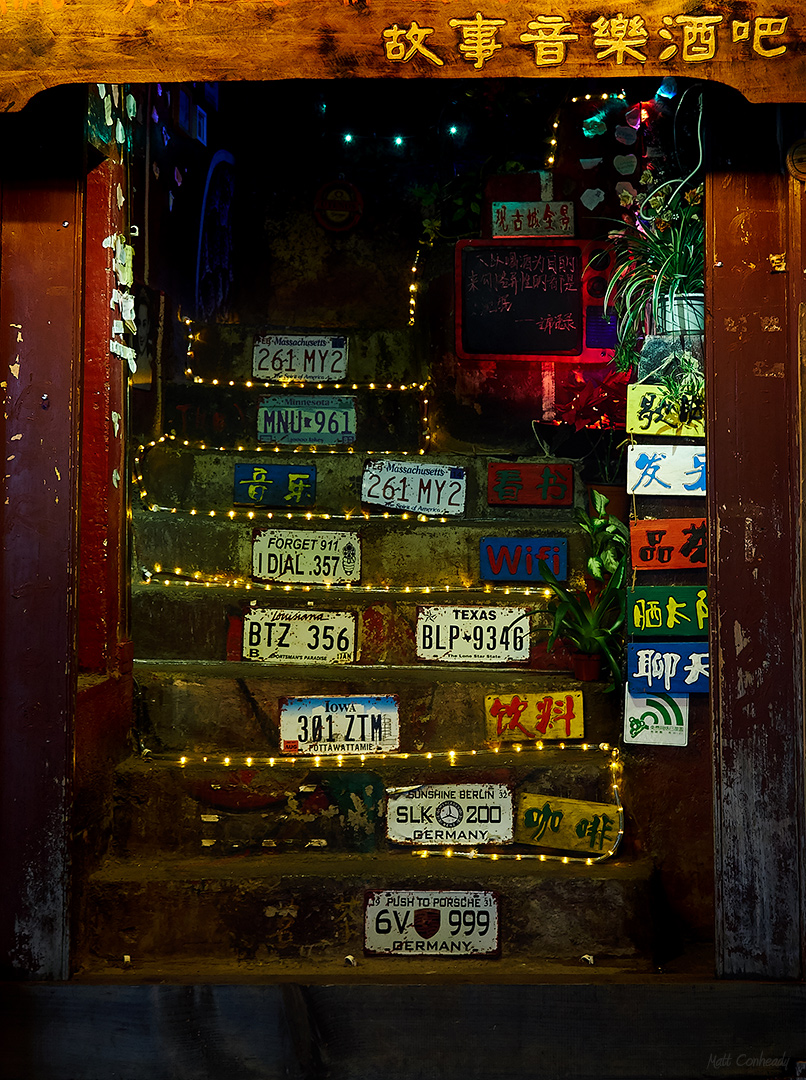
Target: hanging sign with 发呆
(512,483)
(650,411)
(568,824)
(674,667)
(533,717)
(668,611)
(669,544)
(666,469)
(656,720)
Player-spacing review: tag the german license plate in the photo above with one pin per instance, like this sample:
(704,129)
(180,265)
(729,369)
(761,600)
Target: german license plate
(449,814)
(340,725)
(297,555)
(299,637)
(306,421)
(299,357)
(484,635)
(413,485)
(438,922)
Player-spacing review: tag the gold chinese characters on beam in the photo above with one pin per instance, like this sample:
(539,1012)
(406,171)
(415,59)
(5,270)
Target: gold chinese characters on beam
(760,51)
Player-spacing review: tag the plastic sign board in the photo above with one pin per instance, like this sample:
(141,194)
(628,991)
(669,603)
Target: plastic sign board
(288,486)
(567,824)
(666,469)
(418,486)
(290,420)
(650,412)
(437,922)
(510,483)
(479,635)
(339,725)
(505,558)
(534,717)
(656,720)
(679,667)
(450,814)
(298,637)
(533,218)
(299,358)
(299,555)
(669,544)
(666,611)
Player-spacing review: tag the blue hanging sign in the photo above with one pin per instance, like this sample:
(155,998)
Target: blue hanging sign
(679,667)
(507,558)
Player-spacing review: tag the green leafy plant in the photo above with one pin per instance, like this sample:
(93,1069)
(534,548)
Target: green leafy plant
(607,538)
(684,385)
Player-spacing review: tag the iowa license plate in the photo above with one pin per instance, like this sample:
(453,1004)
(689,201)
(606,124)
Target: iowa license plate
(483,635)
(298,637)
(440,922)
(339,725)
(448,814)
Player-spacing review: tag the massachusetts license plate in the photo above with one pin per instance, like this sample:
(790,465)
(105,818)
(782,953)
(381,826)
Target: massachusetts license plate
(414,485)
(299,637)
(339,725)
(448,814)
(483,635)
(439,922)
(306,421)
(299,357)
(297,555)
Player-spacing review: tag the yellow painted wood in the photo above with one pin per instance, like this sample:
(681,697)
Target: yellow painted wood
(647,414)
(534,717)
(589,828)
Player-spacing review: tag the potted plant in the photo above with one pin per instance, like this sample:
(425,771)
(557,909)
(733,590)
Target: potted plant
(607,538)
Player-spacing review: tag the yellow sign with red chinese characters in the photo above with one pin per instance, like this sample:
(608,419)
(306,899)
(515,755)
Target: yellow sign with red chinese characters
(568,824)
(524,718)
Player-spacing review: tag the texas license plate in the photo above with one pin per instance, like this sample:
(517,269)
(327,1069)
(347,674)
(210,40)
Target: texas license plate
(298,637)
(484,635)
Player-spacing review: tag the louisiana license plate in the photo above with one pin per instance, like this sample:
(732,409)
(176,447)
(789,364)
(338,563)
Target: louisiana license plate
(298,637)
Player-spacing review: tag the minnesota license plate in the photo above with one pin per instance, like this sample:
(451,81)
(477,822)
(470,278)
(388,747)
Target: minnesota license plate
(484,635)
(339,725)
(306,421)
(298,637)
(439,922)
(297,555)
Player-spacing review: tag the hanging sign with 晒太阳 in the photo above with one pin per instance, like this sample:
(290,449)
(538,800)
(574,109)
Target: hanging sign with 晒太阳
(417,486)
(286,486)
(651,411)
(534,717)
(511,483)
(304,556)
(447,814)
(292,420)
(656,720)
(339,725)
(506,558)
(298,637)
(679,667)
(481,635)
(666,469)
(568,824)
(669,544)
(668,611)
(299,358)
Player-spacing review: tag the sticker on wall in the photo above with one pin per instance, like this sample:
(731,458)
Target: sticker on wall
(591,197)
(656,720)
(287,420)
(446,814)
(668,611)
(479,635)
(299,358)
(275,485)
(666,469)
(525,718)
(513,484)
(420,487)
(504,558)
(437,922)
(679,667)
(299,555)
(298,637)
(669,544)
(533,218)
(339,725)
(650,411)
(591,828)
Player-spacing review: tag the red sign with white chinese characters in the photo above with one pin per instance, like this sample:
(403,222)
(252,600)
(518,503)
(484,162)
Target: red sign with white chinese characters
(669,544)
(510,483)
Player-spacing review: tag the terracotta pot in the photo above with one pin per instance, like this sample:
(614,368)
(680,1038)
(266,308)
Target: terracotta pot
(587,666)
(619,504)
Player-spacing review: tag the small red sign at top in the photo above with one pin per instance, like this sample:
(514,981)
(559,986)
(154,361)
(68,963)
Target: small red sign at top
(514,484)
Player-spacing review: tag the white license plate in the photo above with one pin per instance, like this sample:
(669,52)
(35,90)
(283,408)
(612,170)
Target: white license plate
(297,555)
(450,814)
(298,637)
(484,635)
(341,725)
(439,922)
(415,486)
(306,421)
(299,358)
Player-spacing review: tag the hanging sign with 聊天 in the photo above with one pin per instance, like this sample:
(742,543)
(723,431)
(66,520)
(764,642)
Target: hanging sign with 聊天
(668,611)
(446,814)
(650,411)
(275,485)
(299,555)
(433,922)
(510,483)
(417,486)
(679,667)
(669,544)
(299,358)
(568,824)
(666,469)
(339,725)
(533,717)
(503,558)
(656,720)
(533,218)
(299,637)
(289,420)
(479,635)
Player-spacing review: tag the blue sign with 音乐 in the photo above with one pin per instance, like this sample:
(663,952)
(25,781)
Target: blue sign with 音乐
(275,485)
(507,558)
(679,667)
